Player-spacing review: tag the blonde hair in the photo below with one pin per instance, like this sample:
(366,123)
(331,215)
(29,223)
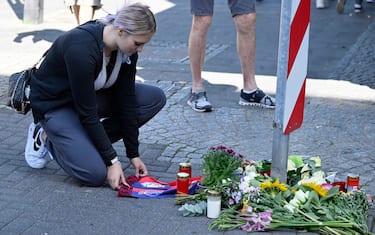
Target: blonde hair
(135,19)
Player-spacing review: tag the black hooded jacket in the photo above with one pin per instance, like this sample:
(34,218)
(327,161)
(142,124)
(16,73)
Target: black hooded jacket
(66,79)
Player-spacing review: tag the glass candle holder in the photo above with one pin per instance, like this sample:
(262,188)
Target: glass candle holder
(352,182)
(213,204)
(185,167)
(182,183)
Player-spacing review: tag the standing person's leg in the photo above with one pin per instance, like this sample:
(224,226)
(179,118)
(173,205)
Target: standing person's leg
(71,147)
(197,49)
(76,9)
(202,17)
(95,5)
(243,12)
(340,6)
(246,24)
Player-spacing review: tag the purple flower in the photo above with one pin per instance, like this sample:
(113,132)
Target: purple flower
(236,196)
(226,150)
(230,201)
(249,209)
(257,222)
(266,216)
(246,227)
(231,152)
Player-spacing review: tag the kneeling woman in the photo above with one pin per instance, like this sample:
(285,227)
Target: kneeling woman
(84,98)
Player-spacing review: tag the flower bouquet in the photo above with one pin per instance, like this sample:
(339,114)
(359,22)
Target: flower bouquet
(252,200)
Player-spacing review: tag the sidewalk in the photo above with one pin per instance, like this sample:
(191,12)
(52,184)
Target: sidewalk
(339,118)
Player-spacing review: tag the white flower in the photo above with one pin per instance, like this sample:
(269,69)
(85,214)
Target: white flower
(317,160)
(317,177)
(294,202)
(289,207)
(299,199)
(244,185)
(305,171)
(319,174)
(301,196)
(249,169)
(291,165)
(238,171)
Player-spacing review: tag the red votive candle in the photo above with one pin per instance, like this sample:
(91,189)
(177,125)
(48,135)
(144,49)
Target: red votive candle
(182,183)
(341,185)
(352,182)
(185,167)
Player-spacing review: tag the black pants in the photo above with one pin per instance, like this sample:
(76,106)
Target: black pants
(72,148)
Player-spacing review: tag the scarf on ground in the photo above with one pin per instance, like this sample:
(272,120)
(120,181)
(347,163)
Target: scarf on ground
(149,187)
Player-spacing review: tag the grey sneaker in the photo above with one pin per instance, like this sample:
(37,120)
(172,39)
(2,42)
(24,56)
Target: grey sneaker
(199,103)
(340,6)
(257,98)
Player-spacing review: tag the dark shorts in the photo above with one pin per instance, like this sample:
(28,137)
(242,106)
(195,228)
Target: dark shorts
(237,7)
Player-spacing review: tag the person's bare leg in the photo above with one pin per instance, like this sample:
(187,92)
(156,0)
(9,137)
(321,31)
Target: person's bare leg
(92,12)
(76,9)
(197,49)
(251,94)
(246,25)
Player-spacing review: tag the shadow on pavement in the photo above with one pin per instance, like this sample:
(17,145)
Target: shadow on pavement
(49,35)
(17,7)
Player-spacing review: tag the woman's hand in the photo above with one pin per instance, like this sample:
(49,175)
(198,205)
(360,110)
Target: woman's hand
(115,176)
(140,167)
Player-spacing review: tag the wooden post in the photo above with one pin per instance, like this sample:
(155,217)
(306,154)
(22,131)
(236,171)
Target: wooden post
(33,11)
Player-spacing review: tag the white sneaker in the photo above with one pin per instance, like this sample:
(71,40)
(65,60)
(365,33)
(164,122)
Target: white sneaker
(35,150)
(320,4)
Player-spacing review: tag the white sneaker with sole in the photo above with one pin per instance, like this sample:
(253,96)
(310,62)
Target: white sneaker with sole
(35,150)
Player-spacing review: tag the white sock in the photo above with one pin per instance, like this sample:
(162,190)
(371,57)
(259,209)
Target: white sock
(199,90)
(249,92)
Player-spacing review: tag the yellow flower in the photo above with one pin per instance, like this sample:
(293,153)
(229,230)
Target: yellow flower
(245,205)
(265,185)
(317,188)
(273,185)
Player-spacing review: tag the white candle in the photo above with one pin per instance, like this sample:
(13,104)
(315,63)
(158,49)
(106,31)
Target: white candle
(213,204)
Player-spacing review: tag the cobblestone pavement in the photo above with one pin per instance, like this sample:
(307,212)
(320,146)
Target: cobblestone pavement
(357,65)
(339,121)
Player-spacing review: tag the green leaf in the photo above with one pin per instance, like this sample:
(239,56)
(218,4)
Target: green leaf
(193,209)
(297,160)
(331,193)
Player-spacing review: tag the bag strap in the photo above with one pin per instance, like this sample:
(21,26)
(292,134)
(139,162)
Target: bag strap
(40,59)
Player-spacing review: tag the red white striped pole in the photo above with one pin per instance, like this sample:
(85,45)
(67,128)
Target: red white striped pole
(291,79)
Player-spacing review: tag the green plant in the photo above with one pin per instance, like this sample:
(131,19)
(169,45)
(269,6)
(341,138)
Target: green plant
(219,164)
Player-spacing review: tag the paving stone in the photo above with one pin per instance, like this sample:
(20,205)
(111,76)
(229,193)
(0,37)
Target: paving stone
(339,128)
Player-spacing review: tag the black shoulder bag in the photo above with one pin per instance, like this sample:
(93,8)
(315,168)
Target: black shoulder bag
(19,89)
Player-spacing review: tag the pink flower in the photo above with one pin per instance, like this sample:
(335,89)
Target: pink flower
(258,222)
(326,186)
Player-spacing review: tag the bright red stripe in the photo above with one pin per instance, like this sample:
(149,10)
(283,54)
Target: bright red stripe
(298,30)
(296,117)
